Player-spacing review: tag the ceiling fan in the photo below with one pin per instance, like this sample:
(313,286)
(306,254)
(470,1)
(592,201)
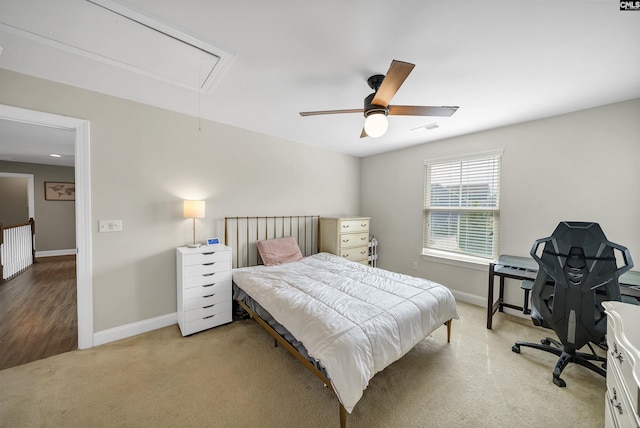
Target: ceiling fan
(376,105)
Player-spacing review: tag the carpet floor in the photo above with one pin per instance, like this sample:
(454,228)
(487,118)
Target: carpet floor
(232,376)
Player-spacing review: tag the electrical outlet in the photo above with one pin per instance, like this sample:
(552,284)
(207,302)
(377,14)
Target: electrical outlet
(110,226)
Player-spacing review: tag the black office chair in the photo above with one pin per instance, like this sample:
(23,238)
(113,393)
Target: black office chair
(577,272)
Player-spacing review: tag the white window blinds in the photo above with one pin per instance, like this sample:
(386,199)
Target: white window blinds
(462,205)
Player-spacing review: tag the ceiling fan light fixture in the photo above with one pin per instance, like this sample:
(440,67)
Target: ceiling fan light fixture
(376,124)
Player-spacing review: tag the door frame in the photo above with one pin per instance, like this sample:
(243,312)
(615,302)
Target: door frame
(84,278)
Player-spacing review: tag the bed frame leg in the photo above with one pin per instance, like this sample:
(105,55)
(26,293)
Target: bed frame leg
(448,323)
(343,416)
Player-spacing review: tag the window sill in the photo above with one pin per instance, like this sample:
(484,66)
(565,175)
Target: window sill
(459,260)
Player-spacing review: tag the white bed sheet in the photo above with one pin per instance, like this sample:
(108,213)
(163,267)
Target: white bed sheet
(354,319)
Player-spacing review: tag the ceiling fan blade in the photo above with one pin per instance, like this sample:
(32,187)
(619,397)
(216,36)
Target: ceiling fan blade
(316,113)
(443,111)
(398,72)
(363,134)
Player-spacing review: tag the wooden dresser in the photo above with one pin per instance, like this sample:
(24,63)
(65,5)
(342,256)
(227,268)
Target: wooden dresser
(204,287)
(346,237)
(623,365)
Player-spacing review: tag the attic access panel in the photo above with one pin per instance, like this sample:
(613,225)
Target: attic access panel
(115,34)
(161,49)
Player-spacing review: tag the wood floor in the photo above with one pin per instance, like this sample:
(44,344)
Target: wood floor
(38,312)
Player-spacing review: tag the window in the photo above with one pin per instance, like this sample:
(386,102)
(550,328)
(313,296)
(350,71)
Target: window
(462,206)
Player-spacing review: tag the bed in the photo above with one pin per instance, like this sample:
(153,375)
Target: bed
(345,321)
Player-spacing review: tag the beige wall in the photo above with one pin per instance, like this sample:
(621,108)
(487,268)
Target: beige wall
(581,166)
(14,201)
(55,220)
(145,161)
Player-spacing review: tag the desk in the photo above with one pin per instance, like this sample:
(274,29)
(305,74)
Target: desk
(525,268)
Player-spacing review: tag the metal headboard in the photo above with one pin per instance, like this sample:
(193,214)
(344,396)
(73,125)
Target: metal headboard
(242,233)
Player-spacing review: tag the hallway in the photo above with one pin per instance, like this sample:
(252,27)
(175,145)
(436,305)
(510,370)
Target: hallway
(38,312)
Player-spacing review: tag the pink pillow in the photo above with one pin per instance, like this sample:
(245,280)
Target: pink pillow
(280,250)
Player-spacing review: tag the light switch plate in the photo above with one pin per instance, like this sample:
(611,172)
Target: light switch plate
(110,226)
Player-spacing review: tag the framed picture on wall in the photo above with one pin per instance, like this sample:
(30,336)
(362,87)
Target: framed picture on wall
(59,191)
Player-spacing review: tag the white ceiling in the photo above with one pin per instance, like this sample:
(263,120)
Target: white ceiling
(503,62)
(24,142)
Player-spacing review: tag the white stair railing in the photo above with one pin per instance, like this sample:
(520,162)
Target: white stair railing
(16,248)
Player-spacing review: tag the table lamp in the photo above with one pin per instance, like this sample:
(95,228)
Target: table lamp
(194,210)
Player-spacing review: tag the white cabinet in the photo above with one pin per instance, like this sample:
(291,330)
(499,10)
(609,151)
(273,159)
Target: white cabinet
(623,365)
(204,287)
(346,237)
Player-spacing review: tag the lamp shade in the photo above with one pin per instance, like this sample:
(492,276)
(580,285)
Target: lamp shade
(193,209)
(376,124)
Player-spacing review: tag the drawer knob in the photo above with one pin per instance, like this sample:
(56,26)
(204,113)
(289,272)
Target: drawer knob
(345,240)
(617,404)
(209,295)
(209,306)
(210,316)
(616,354)
(208,264)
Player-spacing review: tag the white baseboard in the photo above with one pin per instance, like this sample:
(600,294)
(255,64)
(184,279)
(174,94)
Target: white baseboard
(472,299)
(133,329)
(482,301)
(54,253)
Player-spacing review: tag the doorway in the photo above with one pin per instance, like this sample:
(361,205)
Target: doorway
(84,286)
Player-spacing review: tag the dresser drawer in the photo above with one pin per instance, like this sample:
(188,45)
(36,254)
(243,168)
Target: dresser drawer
(353,226)
(617,400)
(214,320)
(199,298)
(206,257)
(349,240)
(620,362)
(203,269)
(355,254)
(610,418)
(206,279)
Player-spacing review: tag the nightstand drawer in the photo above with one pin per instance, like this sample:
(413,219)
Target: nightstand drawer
(353,226)
(355,254)
(215,320)
(212,267)
(349,240)
(207,279)
(209,311)
(198,298)
(206,257)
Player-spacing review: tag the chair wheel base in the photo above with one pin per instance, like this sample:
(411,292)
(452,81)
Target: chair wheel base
(561,383)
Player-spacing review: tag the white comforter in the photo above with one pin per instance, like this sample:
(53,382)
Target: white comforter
(354,319)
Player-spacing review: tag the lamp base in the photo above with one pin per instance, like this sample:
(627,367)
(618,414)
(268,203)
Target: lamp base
(194,245)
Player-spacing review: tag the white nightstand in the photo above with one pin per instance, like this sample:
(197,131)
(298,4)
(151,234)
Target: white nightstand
(204,287)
